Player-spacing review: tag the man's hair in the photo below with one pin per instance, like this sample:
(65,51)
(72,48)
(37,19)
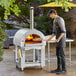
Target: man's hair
(51,11)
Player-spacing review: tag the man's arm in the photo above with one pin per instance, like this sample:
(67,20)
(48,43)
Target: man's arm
(61,35)
(63,30)
(51,37)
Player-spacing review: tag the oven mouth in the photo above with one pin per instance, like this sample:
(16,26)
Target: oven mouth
(33,39)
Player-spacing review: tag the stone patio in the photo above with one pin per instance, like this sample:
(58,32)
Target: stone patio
(8,68)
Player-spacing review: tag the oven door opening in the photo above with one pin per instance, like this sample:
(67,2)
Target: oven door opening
(33,38)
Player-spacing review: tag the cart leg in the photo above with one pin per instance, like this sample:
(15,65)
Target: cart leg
(23,60)
(22,69)
(49,56)
(16,54)
(70,52)
(43,56)
(37,55)
(33,55)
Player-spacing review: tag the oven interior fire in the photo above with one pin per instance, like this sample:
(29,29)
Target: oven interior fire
(33,38)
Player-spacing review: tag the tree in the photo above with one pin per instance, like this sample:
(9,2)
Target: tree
(63,2)
(9,5)
(2,38)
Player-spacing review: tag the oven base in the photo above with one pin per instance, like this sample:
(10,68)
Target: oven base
(21,61)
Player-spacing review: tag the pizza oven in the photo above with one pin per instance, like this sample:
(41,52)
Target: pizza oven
(29,39)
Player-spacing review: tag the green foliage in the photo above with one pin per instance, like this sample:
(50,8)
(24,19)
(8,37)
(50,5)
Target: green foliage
(1,58)
(63,2)
(10,5)
(41,1)
(1,13)
(2,38)
(44,23)
(26,26)
(24,9)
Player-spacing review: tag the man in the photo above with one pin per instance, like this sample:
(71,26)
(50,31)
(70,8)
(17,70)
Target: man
(60,32)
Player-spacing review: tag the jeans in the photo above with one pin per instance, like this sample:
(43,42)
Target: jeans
(60,53)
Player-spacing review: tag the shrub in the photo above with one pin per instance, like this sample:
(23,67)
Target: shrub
(2,38)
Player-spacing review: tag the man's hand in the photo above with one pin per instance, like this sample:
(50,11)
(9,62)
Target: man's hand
(57,40)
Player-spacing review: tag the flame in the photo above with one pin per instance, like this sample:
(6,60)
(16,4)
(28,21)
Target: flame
(29,37)
(32,38)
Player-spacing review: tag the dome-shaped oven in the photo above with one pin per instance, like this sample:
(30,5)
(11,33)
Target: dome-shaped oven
(28,36)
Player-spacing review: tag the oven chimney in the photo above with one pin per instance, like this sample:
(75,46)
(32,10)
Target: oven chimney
(31,17)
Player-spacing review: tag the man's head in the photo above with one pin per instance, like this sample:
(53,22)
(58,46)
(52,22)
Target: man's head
(52,13)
